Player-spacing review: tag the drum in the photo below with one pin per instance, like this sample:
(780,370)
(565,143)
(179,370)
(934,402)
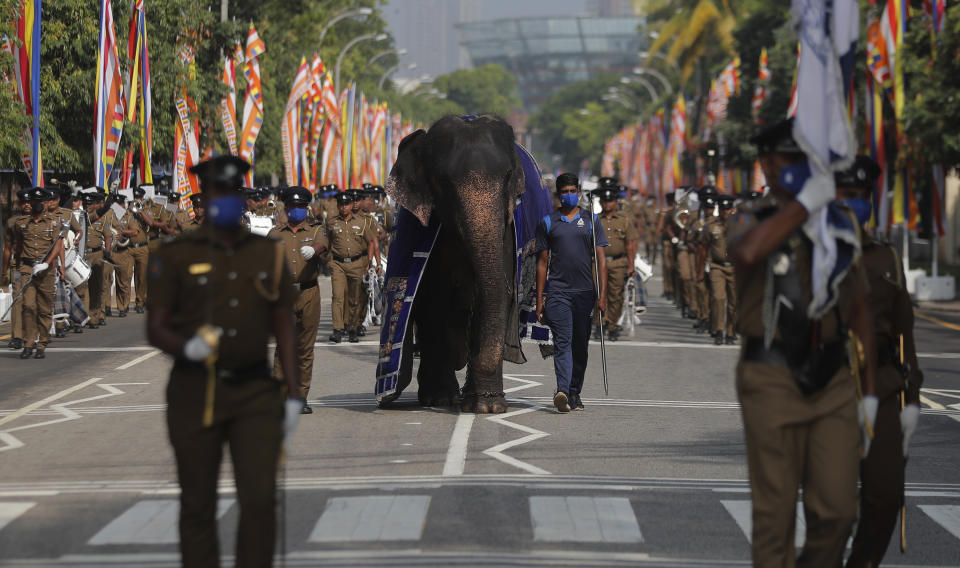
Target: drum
(76,270)
(259,224)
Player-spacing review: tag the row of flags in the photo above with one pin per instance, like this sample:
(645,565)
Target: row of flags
(647,156)
(26,70)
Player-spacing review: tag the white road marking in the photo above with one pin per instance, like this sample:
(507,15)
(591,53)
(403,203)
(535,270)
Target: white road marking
(742,513)
(947,516)
(48,400)
(148,522)
(378,517)
(100,349)
(137,361)
(66,414)
(457,450)
(583,519)
(10,511)
(496,452)
(933,405)
(414,423)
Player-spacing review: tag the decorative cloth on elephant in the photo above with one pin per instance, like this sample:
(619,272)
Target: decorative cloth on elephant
(409,253)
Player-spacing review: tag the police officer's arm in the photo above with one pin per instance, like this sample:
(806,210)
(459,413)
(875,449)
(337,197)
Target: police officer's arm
(757,243)
(903,324)
(543,259)
(861,322)
(283,330)
(633,237)
(7,253)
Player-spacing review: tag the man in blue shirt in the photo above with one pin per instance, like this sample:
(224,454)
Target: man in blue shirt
(565,245)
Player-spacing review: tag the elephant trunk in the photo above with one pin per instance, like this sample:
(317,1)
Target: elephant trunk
(483,228)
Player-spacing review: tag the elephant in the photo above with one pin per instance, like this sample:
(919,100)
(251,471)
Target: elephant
(458,186)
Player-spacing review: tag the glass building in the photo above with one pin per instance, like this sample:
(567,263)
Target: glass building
(547,54)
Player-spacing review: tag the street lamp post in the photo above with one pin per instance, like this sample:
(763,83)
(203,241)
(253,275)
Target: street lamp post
(667,87)
(398,52)
(660,56)
(341,16)
(642,82)
(346,48)
(390,71)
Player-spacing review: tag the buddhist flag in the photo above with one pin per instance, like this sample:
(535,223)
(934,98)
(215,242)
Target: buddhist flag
(26,68)
(762,90)
(794,101)
(290,126)
(109,104)
(139,86)
(228,104)
(186,134)
(253,103)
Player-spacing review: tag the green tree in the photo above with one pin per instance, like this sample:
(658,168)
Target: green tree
(486,89)
(12,119)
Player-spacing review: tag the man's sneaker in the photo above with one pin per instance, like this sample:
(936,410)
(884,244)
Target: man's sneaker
(576,402)
(561,402)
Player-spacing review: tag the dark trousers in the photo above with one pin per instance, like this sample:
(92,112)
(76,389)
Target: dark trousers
(568,315)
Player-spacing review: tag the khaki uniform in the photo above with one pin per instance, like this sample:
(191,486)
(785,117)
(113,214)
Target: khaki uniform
(140,256)
(329,210)
(348,247)
(182,220)
(16,311)
(702,293)
(882,472)
(127,258)
(619,231)
(306,306)
(95,292)
(236,289)
(650,237)
(154,234)
(685,262)
(34,240)
(669,253)
(723,292)
(793,440)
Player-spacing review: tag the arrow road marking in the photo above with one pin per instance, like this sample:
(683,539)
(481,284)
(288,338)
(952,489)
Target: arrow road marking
(532,433)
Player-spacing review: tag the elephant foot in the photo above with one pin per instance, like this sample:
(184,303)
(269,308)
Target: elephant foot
(484,403)
(448,396)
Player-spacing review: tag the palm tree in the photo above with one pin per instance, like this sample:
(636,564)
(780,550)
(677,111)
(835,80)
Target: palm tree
(695,29)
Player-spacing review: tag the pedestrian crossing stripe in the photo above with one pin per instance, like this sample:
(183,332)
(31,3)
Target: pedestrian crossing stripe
(11,510)
(152,521)
(575,519)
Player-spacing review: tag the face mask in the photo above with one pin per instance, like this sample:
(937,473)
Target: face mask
(297,214)
(569,199)
(793,177)
(227,211)
(861,207)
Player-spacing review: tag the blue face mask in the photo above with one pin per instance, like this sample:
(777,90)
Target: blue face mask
(861,207)
(297,214)
(569,199)
(226,212)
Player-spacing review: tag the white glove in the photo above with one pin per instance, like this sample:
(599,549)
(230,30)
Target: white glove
(307,252)
(867,414)
(908,423)
(40,267)
(197,349)
(817,192)
(291,416)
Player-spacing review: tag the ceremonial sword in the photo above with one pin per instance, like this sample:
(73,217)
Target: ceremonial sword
(596,282)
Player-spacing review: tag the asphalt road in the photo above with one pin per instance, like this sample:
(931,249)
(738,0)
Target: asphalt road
(652,475)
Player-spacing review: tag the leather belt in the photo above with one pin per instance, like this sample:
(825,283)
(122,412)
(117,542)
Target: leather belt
(93,250)
(230,376)
(348,259)
(28,261)
(304,285)
(811,371)
(138,246)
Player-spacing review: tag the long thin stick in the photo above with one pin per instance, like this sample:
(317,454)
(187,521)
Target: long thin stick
(596,282)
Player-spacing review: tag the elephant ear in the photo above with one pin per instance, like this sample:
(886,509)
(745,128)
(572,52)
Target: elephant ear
(407,183)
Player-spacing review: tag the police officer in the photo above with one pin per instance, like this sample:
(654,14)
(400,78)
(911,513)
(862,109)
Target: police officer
(138,249)
(159,223)
(665,230)
(16,311)
(797,395)
(38,243)
(199,214)
(101,222)
(217,294)
(650,214)
(622,238)
(683,283)
(304,246)
(352,243)
(365,207)
(723,293)
(130,238)
(706,214)
(898,379)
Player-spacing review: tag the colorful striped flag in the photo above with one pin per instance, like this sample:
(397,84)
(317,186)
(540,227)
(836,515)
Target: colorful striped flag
(253,103)
(139,86)
(893,27)
(26,68)
(761,91)
(186,134)
(290,126)
(794,100)
(228,104)
(109,103)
